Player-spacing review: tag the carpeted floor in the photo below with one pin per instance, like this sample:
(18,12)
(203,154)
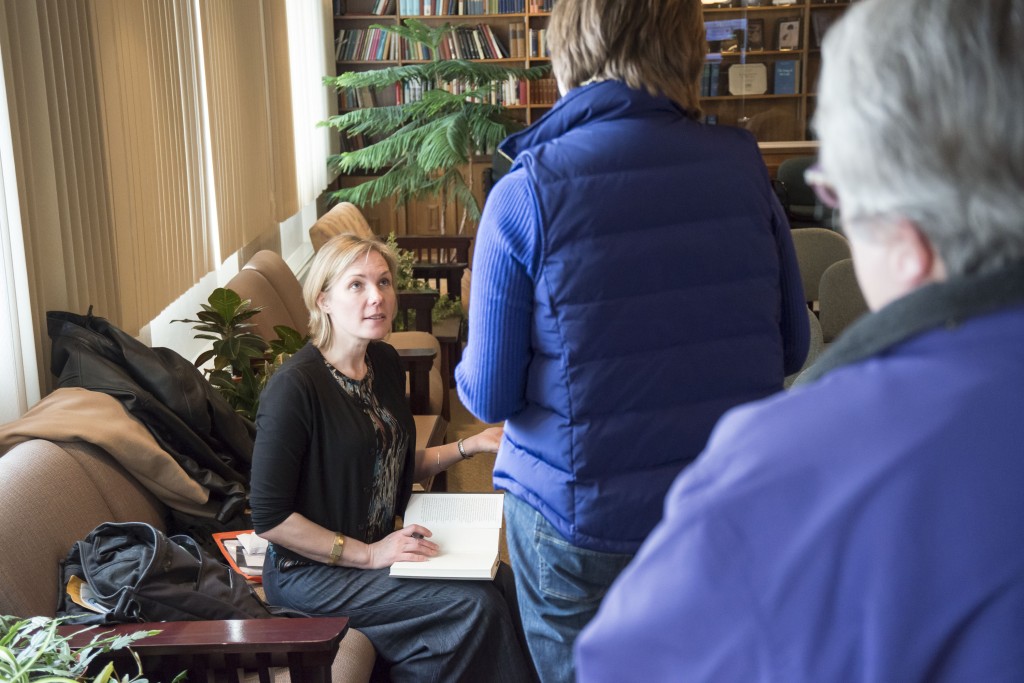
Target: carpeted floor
(474,474)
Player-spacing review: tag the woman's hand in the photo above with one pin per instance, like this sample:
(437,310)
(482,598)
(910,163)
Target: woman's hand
(409,544)
(486,441)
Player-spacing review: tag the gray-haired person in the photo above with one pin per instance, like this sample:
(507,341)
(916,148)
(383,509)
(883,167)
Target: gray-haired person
(868,524)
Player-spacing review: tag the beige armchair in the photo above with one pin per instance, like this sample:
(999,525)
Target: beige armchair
(343,217)
(268,281)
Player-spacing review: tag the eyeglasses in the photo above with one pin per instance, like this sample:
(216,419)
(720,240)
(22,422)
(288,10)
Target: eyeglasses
(816,179)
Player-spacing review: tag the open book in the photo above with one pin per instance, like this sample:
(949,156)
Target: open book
(466,527)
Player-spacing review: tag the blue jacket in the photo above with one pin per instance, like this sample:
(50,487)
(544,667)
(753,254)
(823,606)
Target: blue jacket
(868,526)
(633,279)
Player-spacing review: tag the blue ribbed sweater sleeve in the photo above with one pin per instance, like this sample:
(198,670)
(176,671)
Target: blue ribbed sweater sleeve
(491,378)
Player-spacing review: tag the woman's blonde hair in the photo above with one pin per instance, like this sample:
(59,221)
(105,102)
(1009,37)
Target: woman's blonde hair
(333,259)
(653,45)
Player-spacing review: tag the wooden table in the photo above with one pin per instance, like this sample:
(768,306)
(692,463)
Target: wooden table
(215,650)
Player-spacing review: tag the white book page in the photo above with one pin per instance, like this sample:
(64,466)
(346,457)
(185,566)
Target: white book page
(461,510)
(466,528)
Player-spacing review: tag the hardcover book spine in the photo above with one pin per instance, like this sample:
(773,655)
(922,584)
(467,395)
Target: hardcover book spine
(787,74)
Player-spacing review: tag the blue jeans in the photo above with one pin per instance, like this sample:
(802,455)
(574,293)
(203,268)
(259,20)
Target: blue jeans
(559,587)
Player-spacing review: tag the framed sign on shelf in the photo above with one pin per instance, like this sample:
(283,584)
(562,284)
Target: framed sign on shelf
(787,34)
(755,34)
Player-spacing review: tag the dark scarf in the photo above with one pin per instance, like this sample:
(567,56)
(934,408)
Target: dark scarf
(942,304)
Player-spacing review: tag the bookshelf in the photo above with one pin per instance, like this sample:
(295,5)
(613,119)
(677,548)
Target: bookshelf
(507,32)
(763,64)
(772,94)
(517,27)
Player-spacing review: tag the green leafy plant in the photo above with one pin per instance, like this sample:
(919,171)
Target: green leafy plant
(242,360)
(425,147)
(32,650)
(404,279)
(447,307)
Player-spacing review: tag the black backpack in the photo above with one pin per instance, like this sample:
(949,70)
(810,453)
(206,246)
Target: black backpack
(136,573)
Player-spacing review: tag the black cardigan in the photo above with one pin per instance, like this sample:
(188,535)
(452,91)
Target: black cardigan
(315,447)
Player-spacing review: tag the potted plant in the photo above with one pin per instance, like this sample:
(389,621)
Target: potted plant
(33,650)
(425,147)
(242,360)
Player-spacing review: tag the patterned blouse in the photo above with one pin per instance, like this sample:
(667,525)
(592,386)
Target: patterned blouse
(392,443)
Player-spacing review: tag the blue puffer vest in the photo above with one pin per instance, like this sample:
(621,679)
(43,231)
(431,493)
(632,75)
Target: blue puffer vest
(657,306)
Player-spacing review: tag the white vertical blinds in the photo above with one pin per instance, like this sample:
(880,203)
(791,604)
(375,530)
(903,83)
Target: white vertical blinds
(151,137)
(18,372)
(235,54)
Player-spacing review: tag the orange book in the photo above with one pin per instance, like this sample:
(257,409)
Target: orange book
(249,565)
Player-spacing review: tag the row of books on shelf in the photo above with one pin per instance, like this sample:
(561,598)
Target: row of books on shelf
(377,44)
(473,42)
(379,7)
(751,79)
(460,7)
(539,42)
(527,42)
(369,45)
(510,93)
(543,92)
(428,8)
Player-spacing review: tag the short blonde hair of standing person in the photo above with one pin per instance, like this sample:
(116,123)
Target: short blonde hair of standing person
(653,45)
(334,258)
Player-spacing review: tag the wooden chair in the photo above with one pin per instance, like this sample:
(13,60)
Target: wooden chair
(443,261)
(420,303)
(440,260)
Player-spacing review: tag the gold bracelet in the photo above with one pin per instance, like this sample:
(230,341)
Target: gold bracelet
(336,550)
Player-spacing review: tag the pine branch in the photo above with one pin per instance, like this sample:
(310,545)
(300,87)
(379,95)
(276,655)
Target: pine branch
(460,192)
(372,120)
(426,144)
(448,70)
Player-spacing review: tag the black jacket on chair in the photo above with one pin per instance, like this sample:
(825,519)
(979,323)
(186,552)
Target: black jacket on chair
(164,391)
